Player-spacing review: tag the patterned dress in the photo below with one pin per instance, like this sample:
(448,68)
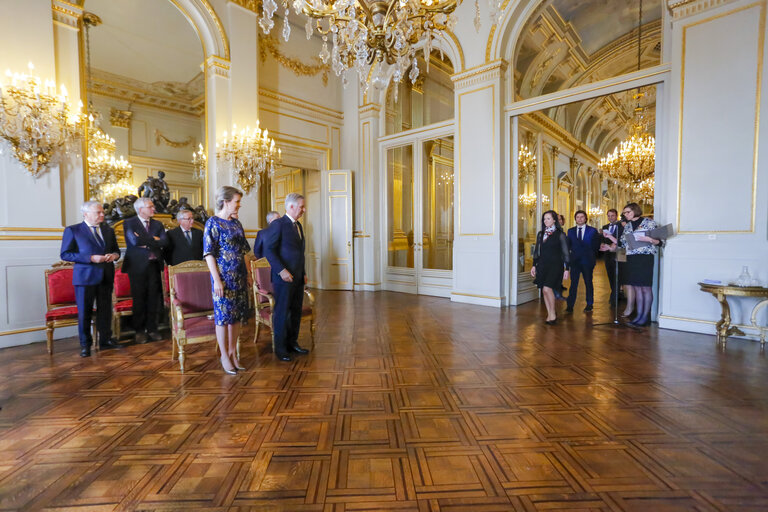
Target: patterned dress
(225,240)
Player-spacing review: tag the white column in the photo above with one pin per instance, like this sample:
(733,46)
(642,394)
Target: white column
(480,223)
(368,201)
(217,121)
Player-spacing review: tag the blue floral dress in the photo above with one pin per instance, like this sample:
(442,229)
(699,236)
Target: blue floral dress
(225,240)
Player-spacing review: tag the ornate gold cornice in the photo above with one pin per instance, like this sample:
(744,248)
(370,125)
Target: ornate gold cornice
(271,45)
(684,8)
(369,110)
(479,74)
(251,5)
(66,13)
(217,66)
(120,118)
(179,97)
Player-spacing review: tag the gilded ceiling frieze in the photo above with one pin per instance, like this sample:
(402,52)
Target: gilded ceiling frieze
(160,138)
(271,45)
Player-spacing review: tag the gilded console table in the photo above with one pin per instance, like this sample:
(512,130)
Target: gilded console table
(724,327)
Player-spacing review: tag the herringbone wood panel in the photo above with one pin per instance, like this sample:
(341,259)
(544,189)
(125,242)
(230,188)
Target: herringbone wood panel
(406,403)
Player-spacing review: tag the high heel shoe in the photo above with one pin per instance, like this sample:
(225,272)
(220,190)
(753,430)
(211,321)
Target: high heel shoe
(550,322)
(229,372)
(238,366)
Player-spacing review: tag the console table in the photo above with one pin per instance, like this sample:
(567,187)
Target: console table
(724,327)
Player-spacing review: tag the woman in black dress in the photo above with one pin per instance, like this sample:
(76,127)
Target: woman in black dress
(550,261)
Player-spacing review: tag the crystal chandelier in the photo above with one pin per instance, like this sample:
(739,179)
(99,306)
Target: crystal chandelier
(108,177)
(39,124)
(250,154)
(526,163)
(529,200)
(365,33)
(200,164)
(595,211)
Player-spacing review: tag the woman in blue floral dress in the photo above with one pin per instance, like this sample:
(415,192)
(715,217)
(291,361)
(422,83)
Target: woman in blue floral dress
(224,249)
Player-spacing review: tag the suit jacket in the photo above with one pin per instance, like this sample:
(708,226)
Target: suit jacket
(78,245)
(179,249)
(584,251)
(284,248)
(140,244)
(617,233)
(261,237)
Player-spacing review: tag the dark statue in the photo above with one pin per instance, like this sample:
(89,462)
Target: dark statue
(157,190)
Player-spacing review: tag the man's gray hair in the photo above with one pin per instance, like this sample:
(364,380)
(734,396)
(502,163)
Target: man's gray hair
(293,198)
(183,211)
(272,216)
(88,205)
(142,202)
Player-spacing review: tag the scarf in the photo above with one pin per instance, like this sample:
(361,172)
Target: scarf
(548,231)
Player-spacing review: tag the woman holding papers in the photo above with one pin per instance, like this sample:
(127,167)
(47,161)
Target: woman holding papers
(641,250)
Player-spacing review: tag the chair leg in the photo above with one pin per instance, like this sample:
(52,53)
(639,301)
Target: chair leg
(49,337)
(312,328)
(182,357)
(173,348)
(256,336)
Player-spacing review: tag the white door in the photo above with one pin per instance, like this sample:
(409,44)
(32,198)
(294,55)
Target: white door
(336,191)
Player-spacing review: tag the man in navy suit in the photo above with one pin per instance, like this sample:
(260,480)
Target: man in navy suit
(585,242)
(615,229)
(258,245)
(92,246)
(284,248)
(145,240)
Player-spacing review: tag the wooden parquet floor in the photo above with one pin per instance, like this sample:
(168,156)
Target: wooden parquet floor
(407,403)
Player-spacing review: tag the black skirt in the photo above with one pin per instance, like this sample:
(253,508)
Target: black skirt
(638,270)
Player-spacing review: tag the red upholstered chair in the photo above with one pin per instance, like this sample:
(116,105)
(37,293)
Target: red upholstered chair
(263,297)
(60,301)
(122,303)
(191,307)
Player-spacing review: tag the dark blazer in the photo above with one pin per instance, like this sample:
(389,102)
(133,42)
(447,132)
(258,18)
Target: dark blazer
(616,234)
(284,248)
(78,245)
(179,250)
(261,237)
(584,251)
(140,244)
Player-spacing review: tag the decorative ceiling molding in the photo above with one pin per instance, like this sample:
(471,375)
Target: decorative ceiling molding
(268,44)
(684,8)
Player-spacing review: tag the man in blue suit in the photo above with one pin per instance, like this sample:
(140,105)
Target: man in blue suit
(145,240)
(284,248)
(585,242)
(258,245)
(92,246)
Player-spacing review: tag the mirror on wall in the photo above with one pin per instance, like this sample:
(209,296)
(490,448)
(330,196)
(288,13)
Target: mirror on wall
(146,91)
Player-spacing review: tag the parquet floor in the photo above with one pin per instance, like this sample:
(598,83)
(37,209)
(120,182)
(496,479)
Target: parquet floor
(407,403)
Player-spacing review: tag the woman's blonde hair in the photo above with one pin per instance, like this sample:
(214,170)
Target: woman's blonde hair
(226,194)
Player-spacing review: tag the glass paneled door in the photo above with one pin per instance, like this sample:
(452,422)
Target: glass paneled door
(420,189)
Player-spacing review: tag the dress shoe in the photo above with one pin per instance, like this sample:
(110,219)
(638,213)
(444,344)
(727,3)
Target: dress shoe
(154,336)
(284,357)
(550,322)
(110,343)
(228,372)
(85,352)
(588,308)
(569,309)
(140,338)
(298,350)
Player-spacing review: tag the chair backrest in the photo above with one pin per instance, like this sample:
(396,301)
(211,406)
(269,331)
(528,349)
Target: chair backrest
(122,287)
(190,283)
(262,276)
(59,289)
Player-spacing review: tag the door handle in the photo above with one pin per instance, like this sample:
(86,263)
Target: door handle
(349,246)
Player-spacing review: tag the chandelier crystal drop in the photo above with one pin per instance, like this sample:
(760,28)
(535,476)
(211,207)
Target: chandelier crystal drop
(250,154)
(199,163)
(39,124)
(108,177)
(526,163)
(364,35)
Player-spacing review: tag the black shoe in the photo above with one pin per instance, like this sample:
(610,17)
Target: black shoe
(110,343)
(550,322)
(569,309)
(140,338)
(298,350)
(588,308)
(85,352)
(284,357)
(154,336)
(559,296)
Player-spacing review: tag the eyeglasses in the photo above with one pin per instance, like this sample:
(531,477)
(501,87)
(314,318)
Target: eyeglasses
(626,212)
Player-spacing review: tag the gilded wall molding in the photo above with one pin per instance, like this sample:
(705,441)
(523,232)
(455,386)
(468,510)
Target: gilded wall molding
(175,96)
(479,74)
(217,66)
(120,118)
(301,106)
(66,13)
(251,5)
(162,139)
(268,44)
(369,110)
(685,8)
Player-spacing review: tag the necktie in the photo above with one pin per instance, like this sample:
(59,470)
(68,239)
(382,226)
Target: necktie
(298,230)
(581,235)
(97,235)
(146,225)
(189,237)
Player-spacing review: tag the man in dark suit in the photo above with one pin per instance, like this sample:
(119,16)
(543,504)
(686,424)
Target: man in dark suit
(145,239)
(284,248)
(185,243)
(258,245)
(92,246)
(614,229)
(585,242)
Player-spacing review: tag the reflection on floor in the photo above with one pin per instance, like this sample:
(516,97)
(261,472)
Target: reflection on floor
(406,403)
